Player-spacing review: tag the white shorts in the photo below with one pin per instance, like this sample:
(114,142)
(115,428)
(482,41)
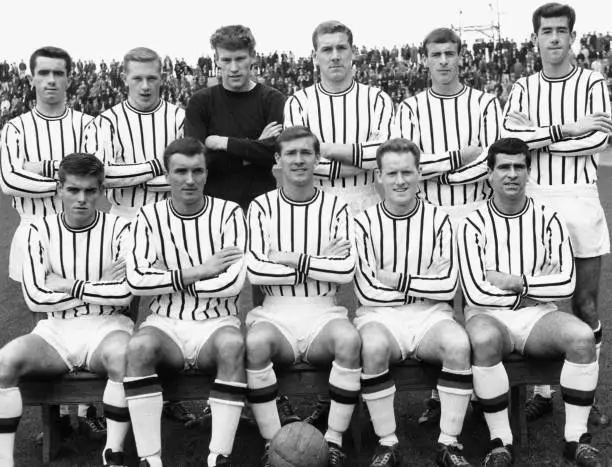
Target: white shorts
(190,336)
(407,324)
(125,212)
(76,339)
(299,319)
(580,208)
(19,248)
(461,211)
(359,198)
(518,322)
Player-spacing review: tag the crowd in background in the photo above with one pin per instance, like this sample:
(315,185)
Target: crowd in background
(401,72)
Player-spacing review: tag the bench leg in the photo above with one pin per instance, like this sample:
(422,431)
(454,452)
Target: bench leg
(50,425)
(518,395)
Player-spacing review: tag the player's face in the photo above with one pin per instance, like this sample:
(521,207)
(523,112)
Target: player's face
(554,40)
(399,177)
(443,62)
(143,80)
(79,195)
(297,160)
(50,80)
(334,56)
(509,176)
(187,177)
(235,68)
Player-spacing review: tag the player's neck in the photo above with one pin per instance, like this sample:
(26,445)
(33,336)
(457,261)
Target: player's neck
(400,209)
(509,206)
(447,89)
(140,108)
(335,87)
(299,193)
(51,110)
(249,86)
(188,209)
(557,70)
(79,223)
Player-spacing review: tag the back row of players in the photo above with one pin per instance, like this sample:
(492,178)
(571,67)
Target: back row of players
(561,113)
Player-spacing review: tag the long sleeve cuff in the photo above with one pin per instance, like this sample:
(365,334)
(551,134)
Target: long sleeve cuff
(77,289)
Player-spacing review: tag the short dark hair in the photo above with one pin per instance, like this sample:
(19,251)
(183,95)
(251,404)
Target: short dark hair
(331,27)
(399,145)
(233,37)
(188,146)
(81,165)
(508,146)
(442,36)
(297,132)
(142,55)
(553,10)
(51,52)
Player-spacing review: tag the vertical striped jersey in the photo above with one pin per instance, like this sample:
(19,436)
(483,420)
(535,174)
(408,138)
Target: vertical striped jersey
(164,242)
(521,244)
(281,224)
(362,116)
(443,125)
(82,255)
(131,143)
(418,246)
(34,137)
(550,103)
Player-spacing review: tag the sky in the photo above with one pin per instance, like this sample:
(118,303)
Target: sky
(182,28)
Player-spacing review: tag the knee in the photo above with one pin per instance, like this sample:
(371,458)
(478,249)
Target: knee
(347,345)
(581,341)
(10,370)
(114,358)
(142,350)
(231,347)
(375,351)
(486,344)
(455,348)
(258,348)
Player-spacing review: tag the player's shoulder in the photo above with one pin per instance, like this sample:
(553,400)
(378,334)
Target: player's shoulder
(331,199)
(374,90)
(151,208)
(480,94)
(269,91)
(542,208)
(592,75)
(118,222)
(223,205)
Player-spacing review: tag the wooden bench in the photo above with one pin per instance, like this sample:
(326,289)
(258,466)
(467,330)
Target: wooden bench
(300,380)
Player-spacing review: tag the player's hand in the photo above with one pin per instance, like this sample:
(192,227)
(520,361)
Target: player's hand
(271,130)
(598,121)
(114,272)
(337,247)
(221,260)
(504,281)
(519,119)
(34,167)
(57,283)
(469,154)
(286,258)
(216,143)
(388,278)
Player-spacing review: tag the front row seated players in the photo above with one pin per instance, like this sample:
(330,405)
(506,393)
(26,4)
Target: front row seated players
(406,274)
(188,254)
(515,260)
(74,272)
(300,250)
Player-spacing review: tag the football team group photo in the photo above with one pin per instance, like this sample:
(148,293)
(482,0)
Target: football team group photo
(328,223)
